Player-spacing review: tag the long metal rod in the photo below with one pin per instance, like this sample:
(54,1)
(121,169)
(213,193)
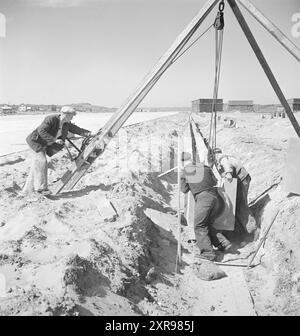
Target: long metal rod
(265,192)
(72,143)
(167,172)
(179,164)
(233,265)
(69,153)
(239,16)
(264,237)
(271,28)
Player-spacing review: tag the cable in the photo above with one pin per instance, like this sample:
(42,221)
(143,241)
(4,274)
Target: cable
(198,38)
(219,26)
(156,78)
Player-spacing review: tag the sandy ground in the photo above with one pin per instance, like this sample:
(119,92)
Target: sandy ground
(75,254)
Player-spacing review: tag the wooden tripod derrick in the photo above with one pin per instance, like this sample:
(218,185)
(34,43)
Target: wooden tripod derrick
(110,129)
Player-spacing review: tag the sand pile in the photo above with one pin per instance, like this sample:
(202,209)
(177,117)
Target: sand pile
(275,283)
(109,246)
(90,251)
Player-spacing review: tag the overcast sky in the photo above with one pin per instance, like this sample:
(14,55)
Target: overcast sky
(98,51)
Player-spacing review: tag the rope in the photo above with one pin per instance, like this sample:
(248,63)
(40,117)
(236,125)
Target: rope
(198,38)
(212,136)
(212,139)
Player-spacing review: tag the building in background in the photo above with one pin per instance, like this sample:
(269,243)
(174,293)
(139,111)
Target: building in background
(240,105)
(294,104)
(22,108)
(143,109)
(43,108)
(7,109)
(205,105)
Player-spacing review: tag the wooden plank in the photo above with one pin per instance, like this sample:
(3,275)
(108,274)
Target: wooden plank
(239,16)
(190,147)
(133,101)
(291,181)
(190,215)
(226,218)
(231,191)
(271,28)
(119,118)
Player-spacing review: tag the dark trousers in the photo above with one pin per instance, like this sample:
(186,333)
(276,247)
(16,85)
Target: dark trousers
(244,215)
(207,204)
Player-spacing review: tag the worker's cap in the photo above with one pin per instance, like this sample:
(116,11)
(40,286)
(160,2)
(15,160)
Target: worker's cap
(68,110)
(217,151)
(185,156)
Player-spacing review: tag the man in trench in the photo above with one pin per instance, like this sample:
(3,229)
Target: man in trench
(230,167)
(200,180)
(52,133)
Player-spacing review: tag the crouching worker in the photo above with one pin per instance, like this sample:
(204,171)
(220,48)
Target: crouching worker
(53,131)
(230,167)
(200,180)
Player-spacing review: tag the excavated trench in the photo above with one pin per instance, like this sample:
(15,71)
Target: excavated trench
(75,255)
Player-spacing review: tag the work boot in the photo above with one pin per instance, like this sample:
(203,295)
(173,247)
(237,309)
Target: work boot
(251,225)
(225,248)
(243,243)
(199,257)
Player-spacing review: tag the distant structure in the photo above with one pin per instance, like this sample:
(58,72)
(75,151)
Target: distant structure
(22,108)
(280,109)
(142,109)
(240,105)
(294,104)
(6,110)
(42,108)
(205,105)
(27,108)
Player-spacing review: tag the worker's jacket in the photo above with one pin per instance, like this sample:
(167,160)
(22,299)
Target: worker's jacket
(49,130)
(197,178)
(230,164)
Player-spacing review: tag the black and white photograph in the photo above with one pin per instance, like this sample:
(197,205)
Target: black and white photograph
(149,160)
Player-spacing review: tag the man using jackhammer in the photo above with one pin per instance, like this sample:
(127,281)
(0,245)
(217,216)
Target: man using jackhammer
(200,180)
(50,135)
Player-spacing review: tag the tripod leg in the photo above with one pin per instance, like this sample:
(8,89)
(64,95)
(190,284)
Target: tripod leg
(239,16)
